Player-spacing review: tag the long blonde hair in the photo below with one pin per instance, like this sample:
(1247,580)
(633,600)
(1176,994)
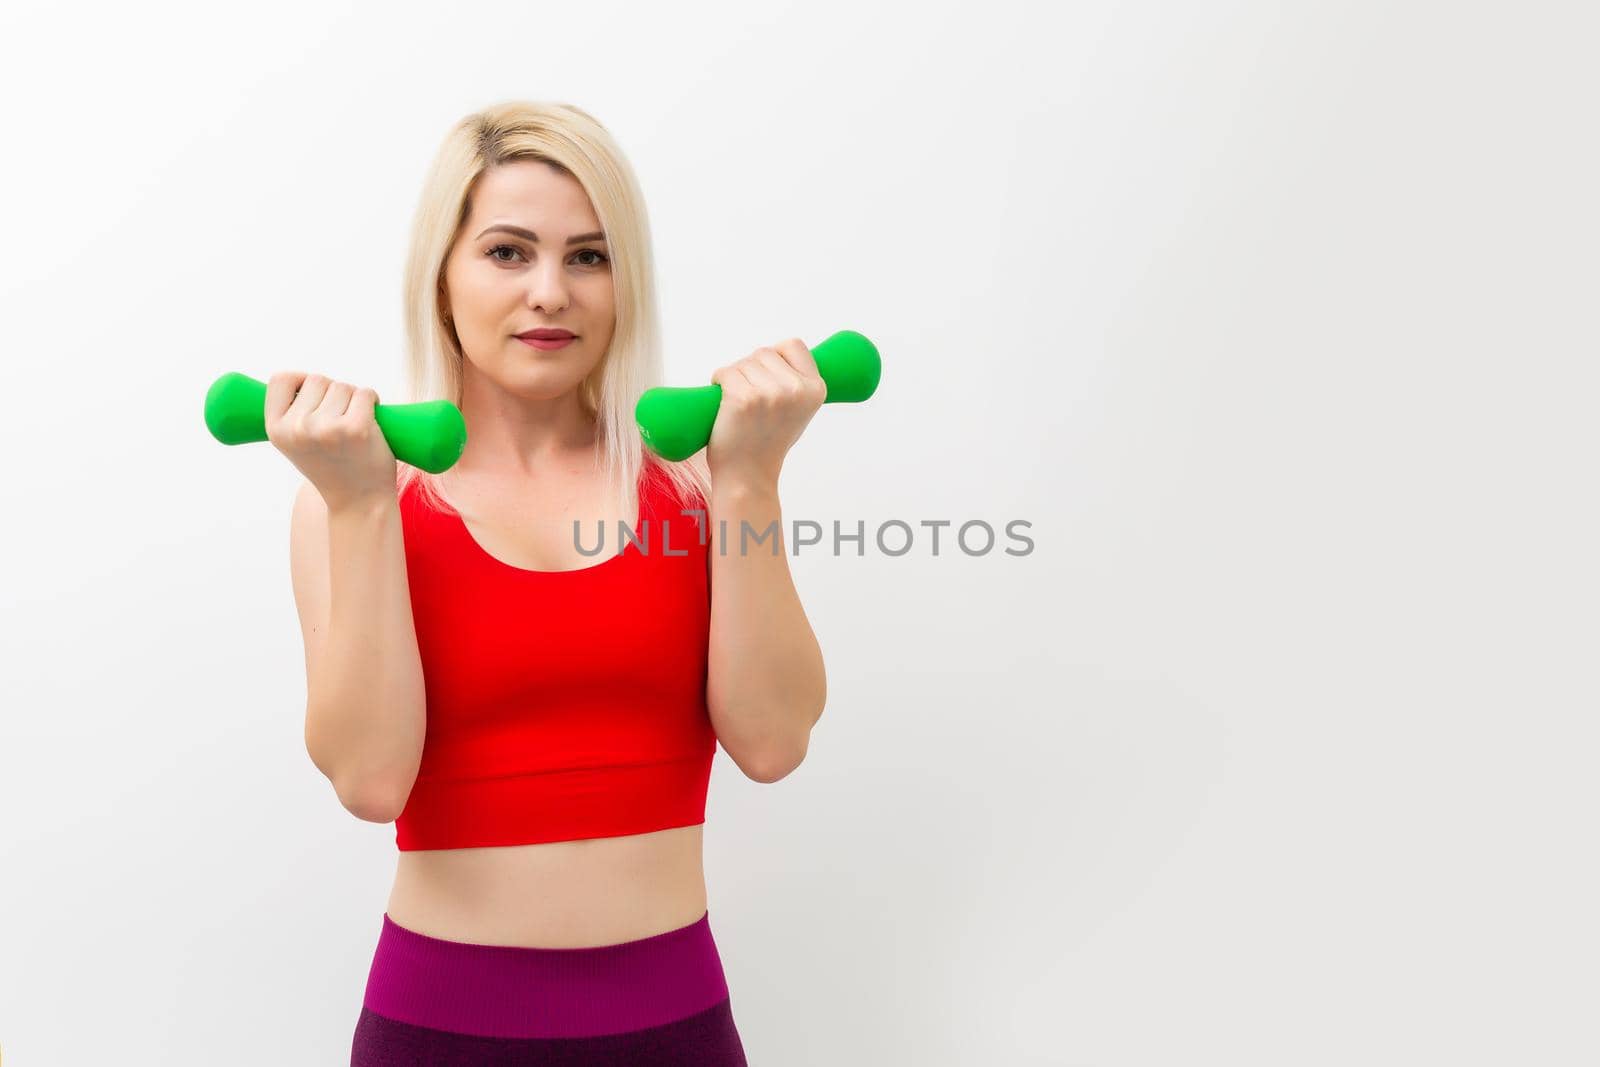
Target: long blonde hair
(575,142)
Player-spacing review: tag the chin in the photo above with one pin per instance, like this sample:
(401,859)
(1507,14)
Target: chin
(542,384)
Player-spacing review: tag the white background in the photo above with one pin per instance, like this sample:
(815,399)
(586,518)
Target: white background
(1276,321)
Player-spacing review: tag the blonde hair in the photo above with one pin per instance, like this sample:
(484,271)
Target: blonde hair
(574,142)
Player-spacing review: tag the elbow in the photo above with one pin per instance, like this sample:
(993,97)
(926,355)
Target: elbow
(372,801)
(372,792)
(370,797)
(769,772)
(774,766)
(777,751)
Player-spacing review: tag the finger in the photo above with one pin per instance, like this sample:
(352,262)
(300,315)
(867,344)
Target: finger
(335,402)
(798,356)
(762,375)
(737,388)
(732,379)
(310,394)
(809,387)
(281,389)
(777,365)
(362,401)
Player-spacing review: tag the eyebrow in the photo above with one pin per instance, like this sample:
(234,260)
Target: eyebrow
(529,235)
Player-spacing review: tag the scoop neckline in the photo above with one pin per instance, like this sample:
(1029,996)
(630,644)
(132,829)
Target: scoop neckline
(478,549)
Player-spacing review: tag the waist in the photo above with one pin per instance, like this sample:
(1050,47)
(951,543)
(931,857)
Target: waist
(559,894)
(631,1001)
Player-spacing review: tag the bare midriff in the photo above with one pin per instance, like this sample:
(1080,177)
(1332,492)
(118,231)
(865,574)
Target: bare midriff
(558,894)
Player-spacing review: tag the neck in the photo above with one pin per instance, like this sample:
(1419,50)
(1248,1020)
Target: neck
(518,436)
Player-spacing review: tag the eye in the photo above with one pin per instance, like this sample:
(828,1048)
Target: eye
(494,254)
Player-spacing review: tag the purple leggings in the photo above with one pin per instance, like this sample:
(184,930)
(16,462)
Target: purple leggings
(659,1000)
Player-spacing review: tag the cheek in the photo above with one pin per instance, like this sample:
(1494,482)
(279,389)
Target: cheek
(605,295)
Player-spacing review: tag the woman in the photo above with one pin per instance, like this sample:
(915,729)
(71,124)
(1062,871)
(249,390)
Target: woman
(538,724)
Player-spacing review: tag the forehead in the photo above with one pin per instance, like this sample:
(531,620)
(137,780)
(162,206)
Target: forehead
(531,193)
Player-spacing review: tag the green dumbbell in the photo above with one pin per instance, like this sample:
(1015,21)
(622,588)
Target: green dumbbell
(676,422)
(429,435)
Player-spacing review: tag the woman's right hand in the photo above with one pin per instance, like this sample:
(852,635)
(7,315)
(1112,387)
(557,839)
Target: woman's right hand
(327,430)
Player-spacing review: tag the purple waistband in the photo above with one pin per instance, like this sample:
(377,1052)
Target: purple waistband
(509,991)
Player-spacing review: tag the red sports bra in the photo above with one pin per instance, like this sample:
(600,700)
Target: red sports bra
(560,704)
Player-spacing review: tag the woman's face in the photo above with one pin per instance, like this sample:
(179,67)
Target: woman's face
(530,255)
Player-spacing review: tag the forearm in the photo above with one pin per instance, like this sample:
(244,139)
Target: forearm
(765,683)
(365,716)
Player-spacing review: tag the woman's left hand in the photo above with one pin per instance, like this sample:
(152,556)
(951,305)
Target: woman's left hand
(768,397)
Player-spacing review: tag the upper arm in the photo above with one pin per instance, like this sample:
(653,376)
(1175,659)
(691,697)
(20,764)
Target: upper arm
(308,570)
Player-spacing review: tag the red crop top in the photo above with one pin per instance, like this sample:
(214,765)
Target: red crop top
(560,704)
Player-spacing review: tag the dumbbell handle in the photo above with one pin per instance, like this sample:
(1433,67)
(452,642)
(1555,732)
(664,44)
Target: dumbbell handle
(676,422)
(429,435)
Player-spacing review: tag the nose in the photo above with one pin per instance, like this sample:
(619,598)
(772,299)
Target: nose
(547,287)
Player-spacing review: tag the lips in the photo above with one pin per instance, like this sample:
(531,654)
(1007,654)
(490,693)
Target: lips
(546,344)
(546,335)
